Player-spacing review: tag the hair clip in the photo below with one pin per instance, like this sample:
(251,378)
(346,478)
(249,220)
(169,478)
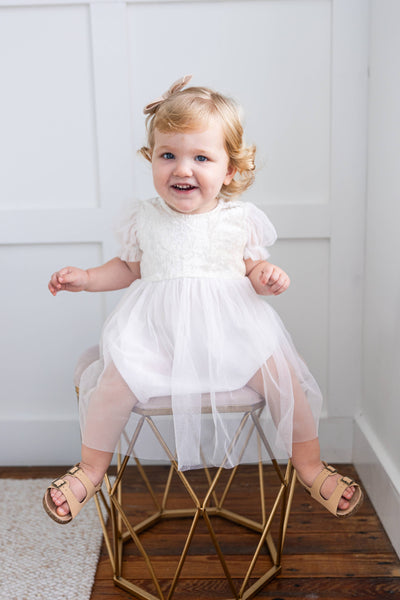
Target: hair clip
(177,86)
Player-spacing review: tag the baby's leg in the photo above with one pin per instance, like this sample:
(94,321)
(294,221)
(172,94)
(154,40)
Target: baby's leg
(110,406)
(109,410)
(306,456)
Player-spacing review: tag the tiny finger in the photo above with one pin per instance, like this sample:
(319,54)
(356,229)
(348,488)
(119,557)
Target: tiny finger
(278,291)
(274,278)
(66,277)
(61,275)
(278,287)
(281,288)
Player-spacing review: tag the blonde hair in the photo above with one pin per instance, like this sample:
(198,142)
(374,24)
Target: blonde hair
(188,109)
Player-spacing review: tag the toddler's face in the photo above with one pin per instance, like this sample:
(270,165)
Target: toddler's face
(190,168)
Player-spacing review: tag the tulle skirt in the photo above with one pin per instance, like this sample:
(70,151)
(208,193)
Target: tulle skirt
(184,338)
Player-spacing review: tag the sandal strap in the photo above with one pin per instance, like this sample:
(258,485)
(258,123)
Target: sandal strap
(80,474)
(332,502)
(319,481)
(342,484)
(61,484)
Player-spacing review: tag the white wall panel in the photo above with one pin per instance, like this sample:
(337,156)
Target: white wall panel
(349,124)
(47,142)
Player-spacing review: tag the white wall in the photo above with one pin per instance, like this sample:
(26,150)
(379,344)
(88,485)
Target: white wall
(377,443)
(75,77)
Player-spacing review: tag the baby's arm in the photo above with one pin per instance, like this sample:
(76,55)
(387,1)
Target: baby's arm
(115,274)
(267,279)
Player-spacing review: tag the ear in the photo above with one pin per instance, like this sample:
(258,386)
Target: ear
(230,174)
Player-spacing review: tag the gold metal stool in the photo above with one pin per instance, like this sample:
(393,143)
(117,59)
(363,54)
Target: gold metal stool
(270,527)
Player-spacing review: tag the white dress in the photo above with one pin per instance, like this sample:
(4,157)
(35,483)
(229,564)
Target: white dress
(193,324)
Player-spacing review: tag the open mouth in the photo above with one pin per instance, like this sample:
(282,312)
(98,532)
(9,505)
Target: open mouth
(184,187)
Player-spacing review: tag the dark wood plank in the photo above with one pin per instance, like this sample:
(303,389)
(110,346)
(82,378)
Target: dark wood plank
(294,565)
(323,558)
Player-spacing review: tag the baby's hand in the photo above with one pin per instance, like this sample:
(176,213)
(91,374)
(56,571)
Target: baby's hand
(274,279)
(70,279)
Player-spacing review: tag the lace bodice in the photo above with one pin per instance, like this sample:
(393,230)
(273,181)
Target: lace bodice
(170,245)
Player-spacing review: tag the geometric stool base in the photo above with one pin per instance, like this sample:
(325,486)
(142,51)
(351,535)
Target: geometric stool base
(201,512)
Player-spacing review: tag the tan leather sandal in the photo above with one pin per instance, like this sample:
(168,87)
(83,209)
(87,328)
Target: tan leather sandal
(332,502)
(74,505)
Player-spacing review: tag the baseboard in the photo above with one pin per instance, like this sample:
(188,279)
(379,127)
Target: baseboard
(380,477)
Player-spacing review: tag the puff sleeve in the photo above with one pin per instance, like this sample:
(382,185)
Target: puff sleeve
(260,233)
(128,236)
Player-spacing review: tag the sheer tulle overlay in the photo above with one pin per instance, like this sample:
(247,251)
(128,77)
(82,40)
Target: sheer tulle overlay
(180,335)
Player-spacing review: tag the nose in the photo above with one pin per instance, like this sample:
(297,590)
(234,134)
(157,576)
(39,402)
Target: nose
(183,168)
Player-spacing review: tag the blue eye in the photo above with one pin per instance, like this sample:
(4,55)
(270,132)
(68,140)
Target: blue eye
(201,158)
(168,155)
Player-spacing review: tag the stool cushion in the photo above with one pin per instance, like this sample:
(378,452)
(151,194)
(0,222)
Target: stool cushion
(240,400)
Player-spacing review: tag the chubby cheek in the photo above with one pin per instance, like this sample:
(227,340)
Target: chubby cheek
(159,174)
(159,185)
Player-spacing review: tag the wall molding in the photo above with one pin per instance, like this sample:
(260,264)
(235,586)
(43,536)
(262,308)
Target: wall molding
(380,476)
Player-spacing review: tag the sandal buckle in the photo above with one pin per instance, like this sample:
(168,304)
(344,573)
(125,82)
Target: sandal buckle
(347,480)
(58,483)
(74,470)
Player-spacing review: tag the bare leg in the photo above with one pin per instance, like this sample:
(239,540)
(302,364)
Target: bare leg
(306,457)
(109,410)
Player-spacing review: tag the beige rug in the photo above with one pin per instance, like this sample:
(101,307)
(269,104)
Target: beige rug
(39,559)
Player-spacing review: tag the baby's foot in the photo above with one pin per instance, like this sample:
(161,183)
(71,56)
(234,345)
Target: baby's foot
(77,488)
(329,485)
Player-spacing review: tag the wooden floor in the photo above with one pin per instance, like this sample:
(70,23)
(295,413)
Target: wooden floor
(324,558)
